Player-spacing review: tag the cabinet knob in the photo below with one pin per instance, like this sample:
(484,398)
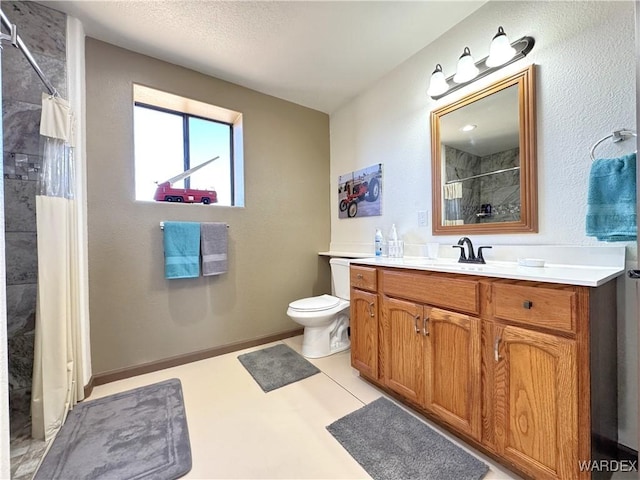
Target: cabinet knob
(527,304)
(359,276)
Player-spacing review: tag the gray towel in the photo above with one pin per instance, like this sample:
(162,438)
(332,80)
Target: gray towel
(213,238)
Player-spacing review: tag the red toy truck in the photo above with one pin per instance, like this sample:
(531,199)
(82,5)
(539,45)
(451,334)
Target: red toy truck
(167,193)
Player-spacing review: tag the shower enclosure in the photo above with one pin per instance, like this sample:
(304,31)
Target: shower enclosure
(44,30)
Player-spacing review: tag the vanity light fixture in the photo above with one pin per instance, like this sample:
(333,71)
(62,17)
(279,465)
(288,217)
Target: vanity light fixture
(501,54)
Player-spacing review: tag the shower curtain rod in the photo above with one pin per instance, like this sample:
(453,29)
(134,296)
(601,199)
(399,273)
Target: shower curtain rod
(18,43)
(481,175)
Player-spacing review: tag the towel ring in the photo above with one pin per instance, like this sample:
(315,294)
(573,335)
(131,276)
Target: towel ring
(617,136)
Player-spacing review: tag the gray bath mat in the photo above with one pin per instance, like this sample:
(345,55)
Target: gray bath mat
(390,443)
(139,434)
(277,366)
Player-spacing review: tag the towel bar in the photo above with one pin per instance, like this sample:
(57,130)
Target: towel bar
(616,136)
(162,226)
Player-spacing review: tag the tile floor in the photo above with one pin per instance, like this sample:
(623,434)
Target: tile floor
(239,432)
(26,453)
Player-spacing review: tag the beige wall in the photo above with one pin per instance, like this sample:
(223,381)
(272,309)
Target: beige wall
(136,315)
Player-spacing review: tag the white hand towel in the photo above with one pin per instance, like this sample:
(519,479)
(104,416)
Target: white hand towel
(453,222)
(57,119)
(453,190)
(213,238)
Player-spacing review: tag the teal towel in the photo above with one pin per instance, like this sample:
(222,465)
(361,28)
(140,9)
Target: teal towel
(181,249)
(611,199)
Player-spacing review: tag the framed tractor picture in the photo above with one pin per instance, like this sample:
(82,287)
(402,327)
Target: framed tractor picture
(359,193)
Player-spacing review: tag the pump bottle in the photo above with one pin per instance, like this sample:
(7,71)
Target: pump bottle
(378,242)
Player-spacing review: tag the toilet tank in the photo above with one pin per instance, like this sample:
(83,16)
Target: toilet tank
(340,277)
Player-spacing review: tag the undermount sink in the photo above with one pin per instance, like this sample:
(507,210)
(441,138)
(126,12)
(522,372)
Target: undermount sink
(452,265)
(478,268)
(430,261)
(447,262)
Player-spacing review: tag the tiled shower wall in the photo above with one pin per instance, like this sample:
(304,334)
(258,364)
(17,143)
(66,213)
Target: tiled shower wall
(501,190)
(43,30)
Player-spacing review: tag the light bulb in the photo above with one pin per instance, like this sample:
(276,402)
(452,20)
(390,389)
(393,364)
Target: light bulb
(438,84)
(500,51)
(466,69)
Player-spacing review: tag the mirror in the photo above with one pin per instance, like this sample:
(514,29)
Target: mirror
(483,154)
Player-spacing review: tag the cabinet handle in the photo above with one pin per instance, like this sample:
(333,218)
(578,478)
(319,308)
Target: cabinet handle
(527,304)
(415,323)
(359,276)
(496,345)
(371,314)
(424,325)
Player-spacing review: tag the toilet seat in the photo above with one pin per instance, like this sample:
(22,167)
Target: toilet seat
(315,304)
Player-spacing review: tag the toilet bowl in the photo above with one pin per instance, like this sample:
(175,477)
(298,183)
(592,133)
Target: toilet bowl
(325,318)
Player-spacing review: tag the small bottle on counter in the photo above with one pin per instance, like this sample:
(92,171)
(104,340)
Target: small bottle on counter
(395,245)
(378,242)
(393,233)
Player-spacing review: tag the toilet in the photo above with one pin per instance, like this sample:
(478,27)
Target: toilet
(325,318)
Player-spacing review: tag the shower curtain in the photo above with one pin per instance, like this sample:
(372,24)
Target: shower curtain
(58,370)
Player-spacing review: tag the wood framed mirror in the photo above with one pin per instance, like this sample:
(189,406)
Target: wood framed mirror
(483,156)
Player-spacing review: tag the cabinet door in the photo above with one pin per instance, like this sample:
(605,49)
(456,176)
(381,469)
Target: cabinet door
(452,369)
(403,348)
(364,332)
(536,401)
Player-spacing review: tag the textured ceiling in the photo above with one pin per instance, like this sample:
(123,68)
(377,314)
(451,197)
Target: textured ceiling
(316,54)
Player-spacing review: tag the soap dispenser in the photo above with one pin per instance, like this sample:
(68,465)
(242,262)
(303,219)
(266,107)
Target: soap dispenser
(378,242)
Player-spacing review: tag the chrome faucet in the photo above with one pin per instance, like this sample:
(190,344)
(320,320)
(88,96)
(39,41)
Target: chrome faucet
(470,256)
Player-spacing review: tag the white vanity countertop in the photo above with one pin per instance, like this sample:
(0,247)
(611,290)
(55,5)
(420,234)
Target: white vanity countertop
(589,266)
(589,276)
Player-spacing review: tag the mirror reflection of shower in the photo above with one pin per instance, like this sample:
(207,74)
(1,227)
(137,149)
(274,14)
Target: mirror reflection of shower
(481,161)
(488,187)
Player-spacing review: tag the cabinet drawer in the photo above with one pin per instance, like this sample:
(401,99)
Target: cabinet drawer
(544,307)
(363,278)
(455,293)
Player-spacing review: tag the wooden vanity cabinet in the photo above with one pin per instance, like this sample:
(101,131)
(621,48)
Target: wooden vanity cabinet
(403,348)
(432,355)
(452,369)
(536,376)
(364,321)
(524,370)
(536,401)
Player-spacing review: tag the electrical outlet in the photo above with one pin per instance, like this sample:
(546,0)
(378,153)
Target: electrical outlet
(423,218)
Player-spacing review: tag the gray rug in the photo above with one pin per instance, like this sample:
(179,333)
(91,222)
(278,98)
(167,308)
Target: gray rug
(390,443)
(276,366)
(139,434)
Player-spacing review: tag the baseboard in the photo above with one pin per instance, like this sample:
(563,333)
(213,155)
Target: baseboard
(88,388)
(627,453)
(120,374)
(612,449)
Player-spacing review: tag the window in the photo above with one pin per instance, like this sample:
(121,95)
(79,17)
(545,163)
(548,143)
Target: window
(173,135)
